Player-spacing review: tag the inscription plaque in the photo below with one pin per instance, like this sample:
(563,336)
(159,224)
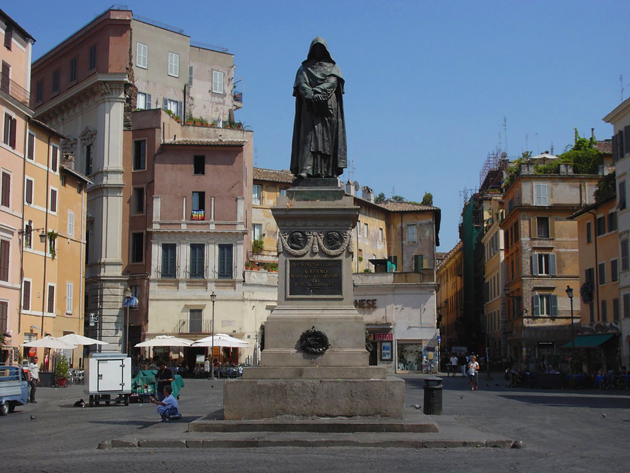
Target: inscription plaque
(315,278)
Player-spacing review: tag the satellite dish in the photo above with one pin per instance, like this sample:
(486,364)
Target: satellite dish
(356,186)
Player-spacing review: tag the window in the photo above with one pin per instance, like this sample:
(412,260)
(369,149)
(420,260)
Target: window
(92,62)
(30,150)
(28,192)
(541,194)
(411,233)
(10,130)
(39,91)
(545,304)
(5,201)
(217,82)
(137,200)
(366,230)
(616,310)
(5,252)
(190,75)
(173,64)
(621,196)
(624,255)
(612,222)
(543,264)
(604,312)
(283,192)
(256,231)
(168,260)
(8,37)
(70,223)
(4,316)
(602,273)
(256,194)
(589,237)
(197,261)
(418,262)
(543,227)
(52,243)
(225,262)
(600,226)
(54,158)
(142,55)
(55,81)
(51,299)
(196,321)
(28,234)
(89,160)
(515,231)
(174,106)
(26,295)
(380,235)
(5,79)
(73,70)
(139,155)
(198,206)
(626,306)
(199,165)
(143,101)
(69,290)
(614,270)
(137,247)
(53,200)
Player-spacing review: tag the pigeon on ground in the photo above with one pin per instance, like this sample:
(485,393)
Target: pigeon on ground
(417,406)
(33,417)
(461,397)
(603,416)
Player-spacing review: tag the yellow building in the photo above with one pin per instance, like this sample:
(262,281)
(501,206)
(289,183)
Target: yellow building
(450,296)
(53,241)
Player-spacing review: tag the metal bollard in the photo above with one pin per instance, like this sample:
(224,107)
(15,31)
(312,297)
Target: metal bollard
(433,396)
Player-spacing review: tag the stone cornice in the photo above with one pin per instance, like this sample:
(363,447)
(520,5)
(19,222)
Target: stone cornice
(619,111)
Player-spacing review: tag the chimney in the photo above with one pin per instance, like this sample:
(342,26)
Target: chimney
(367,194)
(68,160)
(350,188)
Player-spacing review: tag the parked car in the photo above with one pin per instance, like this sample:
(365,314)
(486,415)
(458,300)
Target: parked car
(13,388)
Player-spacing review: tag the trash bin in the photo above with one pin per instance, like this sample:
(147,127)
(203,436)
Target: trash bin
(433,396)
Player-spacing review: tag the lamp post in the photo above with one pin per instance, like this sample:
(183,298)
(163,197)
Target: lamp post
(213,297)
(127,303)
(570,294)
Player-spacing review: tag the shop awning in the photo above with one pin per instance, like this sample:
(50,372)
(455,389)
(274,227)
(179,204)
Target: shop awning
(588,341)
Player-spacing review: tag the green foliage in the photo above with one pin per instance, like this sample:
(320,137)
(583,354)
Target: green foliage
(52,246)
(270,266)
(380,198)
(367,270)
(585,158)
(606,187)
(62,369)
(427,199)
(257,246)
(398,198)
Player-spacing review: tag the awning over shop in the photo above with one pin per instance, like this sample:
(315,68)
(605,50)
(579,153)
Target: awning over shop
(588,341)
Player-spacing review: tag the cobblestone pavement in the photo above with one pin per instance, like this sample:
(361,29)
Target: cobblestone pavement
(565,431)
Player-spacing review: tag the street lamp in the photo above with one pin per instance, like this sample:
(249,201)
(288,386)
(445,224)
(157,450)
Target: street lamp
(213,297)
(570,294)
(129,302)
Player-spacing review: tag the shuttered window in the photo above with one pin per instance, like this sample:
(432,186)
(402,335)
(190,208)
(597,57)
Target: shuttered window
(53,200)
(28,193)
(541,194)
(54,159)
(5,248)
(51,299)
(4,316)
(621,196)
(173,64)
(196,261)
(545,304)
(70,223)
(6,190)
(139,155)
(73,70)
(602,273)
(8,37)
(92,63)
(137,247)
(418,262)
(217,82)
(168,260)
(543,264)
(26,295)
(225,262)
(30,152)
(10,130)
(69,290)
(142,55)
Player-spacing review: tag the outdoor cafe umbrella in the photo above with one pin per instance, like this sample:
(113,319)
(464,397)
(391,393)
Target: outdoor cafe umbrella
(50,342)
(77,339)
(165,341)
(221,340)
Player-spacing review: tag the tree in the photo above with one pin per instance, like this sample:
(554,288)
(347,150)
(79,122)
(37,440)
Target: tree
(585,157)
(427,199)
(380,198)
(398,198)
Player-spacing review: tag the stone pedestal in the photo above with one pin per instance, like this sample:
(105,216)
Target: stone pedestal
(314,361)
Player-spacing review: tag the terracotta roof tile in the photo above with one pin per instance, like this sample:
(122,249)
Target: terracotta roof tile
(217,142)
(405,206)
(605,146)
(272,175)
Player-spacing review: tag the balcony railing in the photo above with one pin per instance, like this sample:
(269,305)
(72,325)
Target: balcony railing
(197,326)
(14,90)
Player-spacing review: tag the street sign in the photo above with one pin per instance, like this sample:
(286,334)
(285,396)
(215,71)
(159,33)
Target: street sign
(439,339)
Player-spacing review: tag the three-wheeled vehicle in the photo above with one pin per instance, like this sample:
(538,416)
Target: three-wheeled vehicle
(13,388)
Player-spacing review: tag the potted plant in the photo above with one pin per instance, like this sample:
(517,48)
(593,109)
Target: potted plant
(62,370)
(257,246)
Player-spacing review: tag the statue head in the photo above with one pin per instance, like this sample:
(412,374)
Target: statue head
(319,51)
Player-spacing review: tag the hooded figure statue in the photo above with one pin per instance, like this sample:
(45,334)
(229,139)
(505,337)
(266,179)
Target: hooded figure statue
(319,133)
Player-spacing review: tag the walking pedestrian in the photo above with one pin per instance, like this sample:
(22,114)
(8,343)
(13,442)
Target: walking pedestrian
(454,363)
(473,373)
(33,370)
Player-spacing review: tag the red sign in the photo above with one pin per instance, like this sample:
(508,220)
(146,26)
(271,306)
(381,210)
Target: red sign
(383,337)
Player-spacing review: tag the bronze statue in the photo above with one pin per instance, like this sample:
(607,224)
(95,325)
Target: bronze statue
(319,133)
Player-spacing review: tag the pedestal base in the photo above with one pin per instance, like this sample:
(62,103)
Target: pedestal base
(247,399)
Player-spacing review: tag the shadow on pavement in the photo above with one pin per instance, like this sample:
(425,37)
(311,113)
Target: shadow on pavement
(560,399)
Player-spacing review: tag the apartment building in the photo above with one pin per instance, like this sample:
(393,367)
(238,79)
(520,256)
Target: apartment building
(88,88)
(541,259)
(450,298)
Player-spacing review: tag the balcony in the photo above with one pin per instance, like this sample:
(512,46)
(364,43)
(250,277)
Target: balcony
(14,90)
(238,99)
(197,326)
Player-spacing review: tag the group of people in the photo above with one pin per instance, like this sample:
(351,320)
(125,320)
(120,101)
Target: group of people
(468,365)
(167,405)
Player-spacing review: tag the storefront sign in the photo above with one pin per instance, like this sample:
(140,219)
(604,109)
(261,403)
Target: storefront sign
(386,351)
(315,278)
(365,303)
(383,336)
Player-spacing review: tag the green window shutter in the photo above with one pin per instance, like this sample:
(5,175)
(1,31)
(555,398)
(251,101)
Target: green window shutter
(553,302)
(534,264)
(418,263)
(552,264)
(535,306)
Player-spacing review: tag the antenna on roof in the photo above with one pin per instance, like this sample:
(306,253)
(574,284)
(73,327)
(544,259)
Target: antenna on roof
(621,85)
(351,169)
(505,129)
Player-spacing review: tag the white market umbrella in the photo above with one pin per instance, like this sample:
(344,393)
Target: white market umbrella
(77,339)
(50,342)
(221,340)
(165,341)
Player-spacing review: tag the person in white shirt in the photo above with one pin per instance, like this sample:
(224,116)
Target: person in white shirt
(168,407)
(454,364)
(33,370)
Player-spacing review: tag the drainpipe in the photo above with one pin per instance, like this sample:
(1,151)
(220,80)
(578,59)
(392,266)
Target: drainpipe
(44,298)
(28,120)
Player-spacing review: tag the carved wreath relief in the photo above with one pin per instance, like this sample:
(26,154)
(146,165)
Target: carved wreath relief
(300,243)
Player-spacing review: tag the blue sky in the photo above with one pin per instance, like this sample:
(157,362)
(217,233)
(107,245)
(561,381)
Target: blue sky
(428,83)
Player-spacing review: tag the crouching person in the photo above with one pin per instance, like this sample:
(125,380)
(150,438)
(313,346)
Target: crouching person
(168,407)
